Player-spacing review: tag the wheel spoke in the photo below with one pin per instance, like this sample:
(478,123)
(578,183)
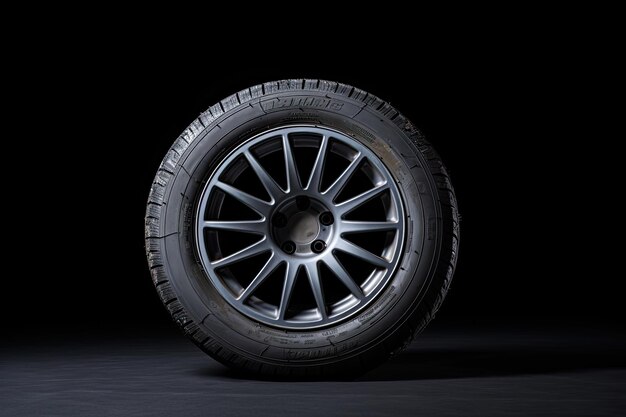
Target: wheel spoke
(248,226)
(266,179)
(245,253)
(348,226)
(258,205)
(272,263)
(333,264)
(315,178)
(355,250)
(316,285)
(293,180)
(336,187)
(354,202)
(290,280)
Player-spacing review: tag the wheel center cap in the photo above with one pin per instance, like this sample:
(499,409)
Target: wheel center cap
(303,228)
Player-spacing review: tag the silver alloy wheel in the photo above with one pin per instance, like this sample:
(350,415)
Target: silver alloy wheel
(300,227)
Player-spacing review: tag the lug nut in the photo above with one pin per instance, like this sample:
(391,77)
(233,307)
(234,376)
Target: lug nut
(318,246)
(279,220)
(303,202)
(289,247)
(326,218)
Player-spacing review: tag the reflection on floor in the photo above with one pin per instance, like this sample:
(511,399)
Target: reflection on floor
(453,371)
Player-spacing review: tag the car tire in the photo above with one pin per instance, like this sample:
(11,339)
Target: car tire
(302,228)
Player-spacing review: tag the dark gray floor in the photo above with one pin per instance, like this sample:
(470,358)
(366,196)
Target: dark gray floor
(531,372)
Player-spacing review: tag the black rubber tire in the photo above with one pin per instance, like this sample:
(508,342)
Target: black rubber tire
(408,302)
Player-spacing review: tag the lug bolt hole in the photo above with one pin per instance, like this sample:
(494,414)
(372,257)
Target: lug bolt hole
(279,220)
(318,246)
(303,202)
(326,218)
(289,247)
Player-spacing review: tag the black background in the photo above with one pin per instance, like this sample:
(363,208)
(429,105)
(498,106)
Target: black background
(511,117)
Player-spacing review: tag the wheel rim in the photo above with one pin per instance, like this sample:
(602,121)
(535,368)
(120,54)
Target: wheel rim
(300,227)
